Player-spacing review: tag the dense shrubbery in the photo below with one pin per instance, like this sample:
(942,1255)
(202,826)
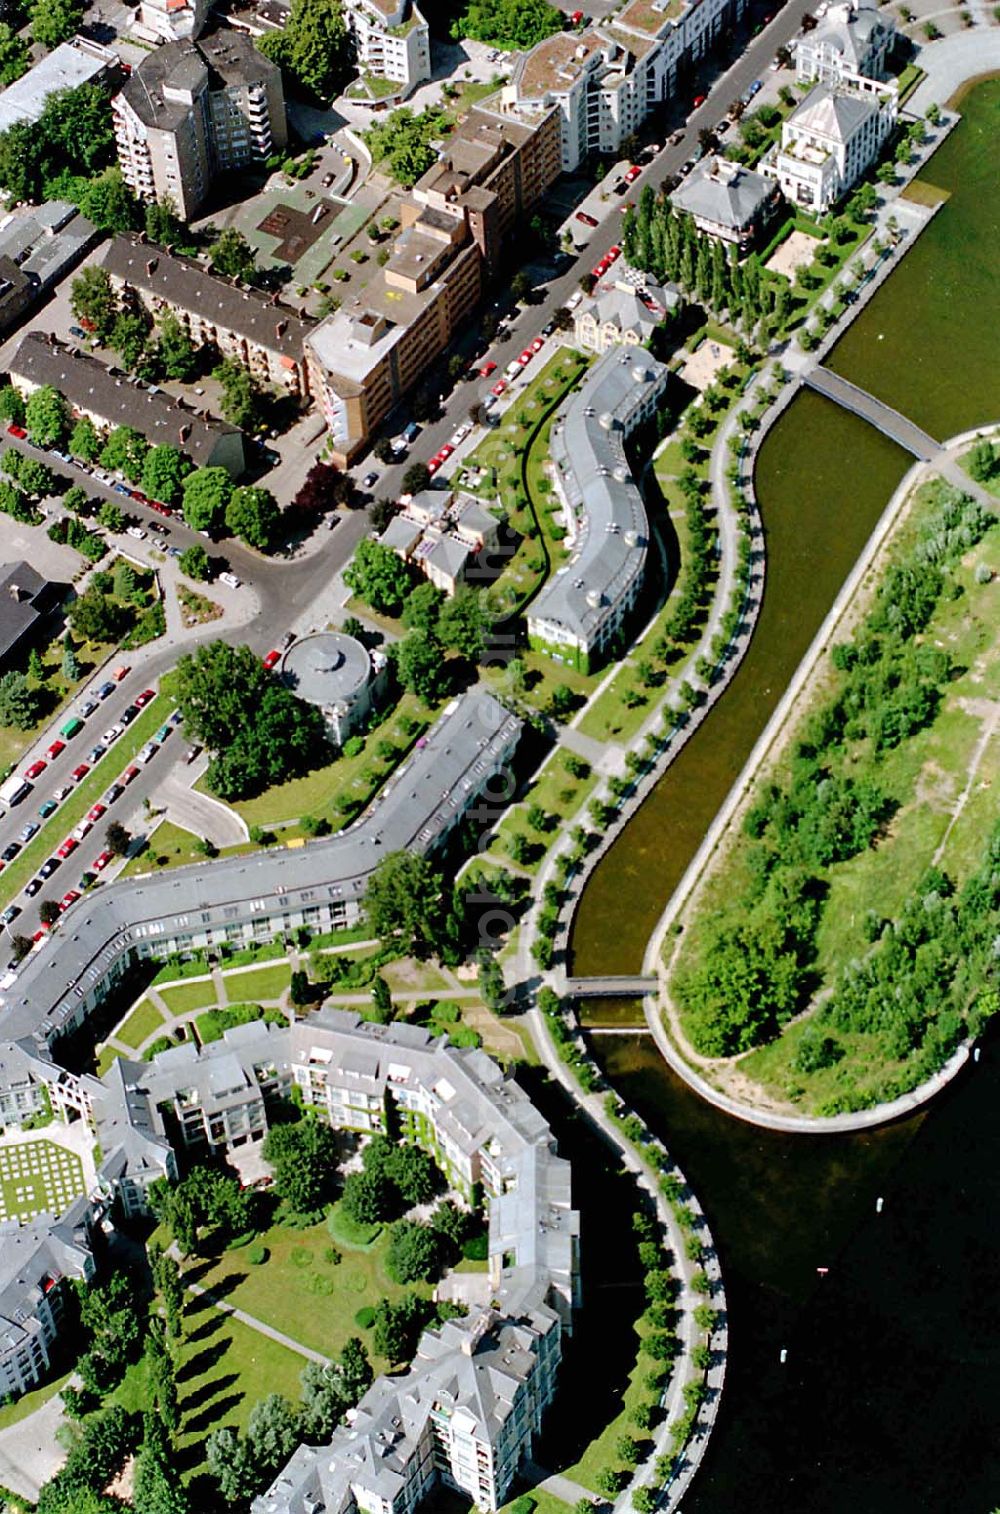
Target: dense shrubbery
(752,970)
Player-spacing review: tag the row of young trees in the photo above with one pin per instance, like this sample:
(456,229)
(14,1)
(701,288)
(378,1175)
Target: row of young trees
(751,968)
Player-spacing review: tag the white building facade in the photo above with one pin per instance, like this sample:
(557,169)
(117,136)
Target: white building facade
(831,140)
(609,79)
(392,41)
(852,38)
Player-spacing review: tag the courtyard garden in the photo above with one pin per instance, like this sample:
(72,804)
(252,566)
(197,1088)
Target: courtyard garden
(38,1177)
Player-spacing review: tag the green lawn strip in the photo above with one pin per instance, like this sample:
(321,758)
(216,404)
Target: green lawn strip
(300,1293)
(106,1057)
(188,996)
(171,971)
(143,1021)
(601,1451)
(98,780)
(332,940)
(358,777)
(224,1372)
(559,795)
(260,983)
(29,1403)
(171,846)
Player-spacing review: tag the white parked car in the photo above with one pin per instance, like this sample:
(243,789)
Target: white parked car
(230,580)
(148,752)
(135,531)
(112,734)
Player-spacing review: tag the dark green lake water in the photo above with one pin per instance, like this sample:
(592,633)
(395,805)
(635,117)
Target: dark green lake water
(928,342)
(824,478)
(889,1400)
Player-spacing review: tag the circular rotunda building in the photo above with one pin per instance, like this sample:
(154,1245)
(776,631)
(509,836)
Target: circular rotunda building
(338,675)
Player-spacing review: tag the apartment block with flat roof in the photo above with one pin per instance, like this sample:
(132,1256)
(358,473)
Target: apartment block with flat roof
(607,80)
(391,41)
(364,357)
(254,328)
(194,109)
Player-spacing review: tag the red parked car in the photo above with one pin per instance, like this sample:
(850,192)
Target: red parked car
(97,811)
(17,431)
(79,773)
(633,174)
(36,769)
(130,772)
(143,699)
(487,369)
(68,846)
(499,387)
(587,220)
(67,899)
(53,751)
(102,861)
(271,658)
(121,673)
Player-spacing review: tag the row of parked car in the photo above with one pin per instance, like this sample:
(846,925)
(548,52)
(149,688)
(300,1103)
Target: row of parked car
(71,842)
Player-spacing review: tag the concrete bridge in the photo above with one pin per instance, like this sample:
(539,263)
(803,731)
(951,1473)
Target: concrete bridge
(891,424)
(611,988)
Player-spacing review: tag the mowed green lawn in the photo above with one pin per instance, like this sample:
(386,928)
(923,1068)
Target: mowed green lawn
(263,983)
(301,1293)
(187,996)
(143,1021)
(224,1368)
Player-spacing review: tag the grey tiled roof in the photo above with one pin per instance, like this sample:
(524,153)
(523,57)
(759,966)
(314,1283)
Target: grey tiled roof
(89,385)
(724,192)
(186,285)
(587,447)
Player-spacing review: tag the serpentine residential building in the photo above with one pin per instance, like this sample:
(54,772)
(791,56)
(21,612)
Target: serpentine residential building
(236,901)
(582,608)
(220,1100)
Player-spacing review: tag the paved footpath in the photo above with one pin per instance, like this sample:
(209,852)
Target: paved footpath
(257,1324)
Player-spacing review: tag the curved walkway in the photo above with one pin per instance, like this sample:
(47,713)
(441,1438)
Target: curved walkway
(687,1300)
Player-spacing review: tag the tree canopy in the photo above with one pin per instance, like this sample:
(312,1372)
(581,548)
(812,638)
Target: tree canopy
(259,732)
(508,23)
(312,50)
(206,492)
(304,1158)
(72,137)
(403,142)
(232,256)
(253,514)
(163,473)
(379,576)
(404,904)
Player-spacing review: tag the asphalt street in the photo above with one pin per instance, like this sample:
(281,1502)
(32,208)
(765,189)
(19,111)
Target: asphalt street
(523,324)
(284,588)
